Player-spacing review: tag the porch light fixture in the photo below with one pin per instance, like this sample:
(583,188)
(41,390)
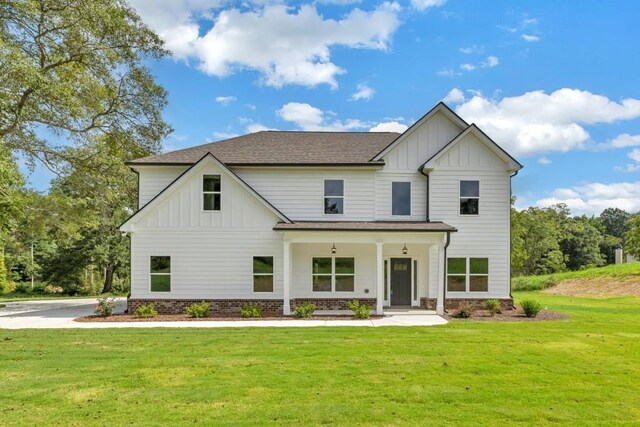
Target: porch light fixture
(333,249)
(404,249)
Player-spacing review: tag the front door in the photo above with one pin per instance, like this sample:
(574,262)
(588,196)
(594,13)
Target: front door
(400,281)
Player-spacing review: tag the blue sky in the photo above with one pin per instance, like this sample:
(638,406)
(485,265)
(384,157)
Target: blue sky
(555,83)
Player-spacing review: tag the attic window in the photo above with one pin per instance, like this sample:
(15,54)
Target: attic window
(469,197)
(211,192)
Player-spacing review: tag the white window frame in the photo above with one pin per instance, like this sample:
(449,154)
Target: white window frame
(333,274)
(410,198)
(324,197)
(272,274)
(460,197)
(468,274)
(203,192)
(160,274)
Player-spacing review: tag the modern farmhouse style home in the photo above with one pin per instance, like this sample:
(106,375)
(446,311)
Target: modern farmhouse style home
(418,219)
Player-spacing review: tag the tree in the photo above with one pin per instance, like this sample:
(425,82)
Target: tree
(615,222)
(632,238)
(581,244)
(72,70)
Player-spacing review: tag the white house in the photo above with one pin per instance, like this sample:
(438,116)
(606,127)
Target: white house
(417,219)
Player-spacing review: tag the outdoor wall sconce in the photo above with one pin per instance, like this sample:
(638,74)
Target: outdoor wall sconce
(404,249)
(333,249)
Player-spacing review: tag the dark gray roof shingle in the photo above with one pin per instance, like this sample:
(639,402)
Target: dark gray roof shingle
(285,148)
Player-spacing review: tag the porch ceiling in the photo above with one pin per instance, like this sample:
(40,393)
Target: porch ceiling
(385,226)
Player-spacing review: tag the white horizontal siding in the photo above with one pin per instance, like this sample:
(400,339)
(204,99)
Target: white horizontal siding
(153,179)
(299,193)
(384,180)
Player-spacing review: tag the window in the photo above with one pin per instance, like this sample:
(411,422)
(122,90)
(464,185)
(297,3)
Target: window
(211,192)
(469,197)
(333,196)
(477,279)
(400,198)
(160,272)
(333,274)
(262,274)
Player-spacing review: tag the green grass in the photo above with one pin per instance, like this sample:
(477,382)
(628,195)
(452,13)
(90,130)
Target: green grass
(533,283)
(584,370)
(12,297)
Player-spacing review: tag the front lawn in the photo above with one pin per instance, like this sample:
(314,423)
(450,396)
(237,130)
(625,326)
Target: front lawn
(585,370)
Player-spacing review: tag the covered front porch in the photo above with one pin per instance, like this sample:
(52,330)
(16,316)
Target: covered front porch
(387,265)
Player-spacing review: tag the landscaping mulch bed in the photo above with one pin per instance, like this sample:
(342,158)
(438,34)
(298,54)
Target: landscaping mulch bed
(185,318)
(509,316)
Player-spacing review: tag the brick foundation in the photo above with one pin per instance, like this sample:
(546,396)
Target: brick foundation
(225,306)
(454,303)
(332,303)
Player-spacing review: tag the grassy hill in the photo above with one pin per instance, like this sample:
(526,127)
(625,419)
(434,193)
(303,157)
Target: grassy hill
(619,272)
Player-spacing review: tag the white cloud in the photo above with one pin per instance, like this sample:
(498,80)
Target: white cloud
(467,67)
(635,155)
(455,96)
(528,21)
(625,140)
(257,127)
(593,198)
(285,45)
(491,61)
(472,49)
(363,92)
(427,4)
(537,122)
(223,135)
(544,161)
(225,100)
(307,117)
(389,127)
(530,38)
(447,72)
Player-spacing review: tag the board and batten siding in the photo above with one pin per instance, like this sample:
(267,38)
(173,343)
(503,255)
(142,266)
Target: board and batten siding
(485,235)
(299,192)
(211,252)
(153,179)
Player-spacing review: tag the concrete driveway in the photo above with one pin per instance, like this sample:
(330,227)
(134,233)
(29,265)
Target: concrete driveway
(61,314)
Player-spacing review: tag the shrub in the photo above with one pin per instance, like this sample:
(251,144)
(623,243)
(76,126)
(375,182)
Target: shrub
(11,286)
(251,310)
(198,309)
(23,288)
(530,307)
(305,310)
(145,311)
(360,311)
(105,306)
(465,311)
(492,305)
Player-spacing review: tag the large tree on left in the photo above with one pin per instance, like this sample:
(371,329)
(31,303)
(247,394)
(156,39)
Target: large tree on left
(70,70)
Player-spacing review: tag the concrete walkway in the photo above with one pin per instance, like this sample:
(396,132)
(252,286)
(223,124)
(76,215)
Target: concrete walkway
(60,314)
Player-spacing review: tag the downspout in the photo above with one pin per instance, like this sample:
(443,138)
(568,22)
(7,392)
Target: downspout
(444,272)
(510,219)
(427,199)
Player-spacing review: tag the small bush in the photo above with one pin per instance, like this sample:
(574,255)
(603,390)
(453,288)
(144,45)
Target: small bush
(105,306)
(360,311)
(10,287)
(305,310)
(251,311)
(530,307)
(23,288)
(465,311)
(492,305)
(145,311)
(198,310)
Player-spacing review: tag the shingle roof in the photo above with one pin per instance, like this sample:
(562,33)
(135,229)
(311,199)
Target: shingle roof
(419,226)
(284,148)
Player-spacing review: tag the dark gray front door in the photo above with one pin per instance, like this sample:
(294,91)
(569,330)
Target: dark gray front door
(400,281)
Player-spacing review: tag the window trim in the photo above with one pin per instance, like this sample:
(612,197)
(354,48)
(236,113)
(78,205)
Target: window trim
(324,197)
(410,199)
(203,192)
(460,196)
(334,274)
(160,274)
(467,275)
(254,274)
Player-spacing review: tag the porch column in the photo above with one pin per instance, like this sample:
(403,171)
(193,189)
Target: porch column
(286,272)
(379,278)
(441,284)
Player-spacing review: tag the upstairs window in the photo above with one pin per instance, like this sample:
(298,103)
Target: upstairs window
(333,196)
(262,274)
(400,198)
(211,193)
(469,197)
(160,273)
